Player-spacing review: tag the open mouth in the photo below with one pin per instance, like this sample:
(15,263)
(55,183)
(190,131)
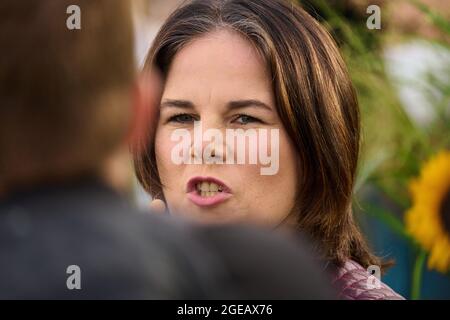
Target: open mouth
(205,191)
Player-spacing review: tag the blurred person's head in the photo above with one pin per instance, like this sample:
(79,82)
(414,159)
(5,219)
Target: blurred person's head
(65,95)
(262,64)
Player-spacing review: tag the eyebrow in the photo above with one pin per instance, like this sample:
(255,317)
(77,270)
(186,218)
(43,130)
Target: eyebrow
(183,104)
(240,104)
(232,105)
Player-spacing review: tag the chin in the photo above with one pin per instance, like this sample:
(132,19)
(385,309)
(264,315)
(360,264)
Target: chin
(210,215)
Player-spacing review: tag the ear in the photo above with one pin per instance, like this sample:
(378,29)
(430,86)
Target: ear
(145,108)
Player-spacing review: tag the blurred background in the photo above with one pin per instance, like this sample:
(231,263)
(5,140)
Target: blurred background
(402,75)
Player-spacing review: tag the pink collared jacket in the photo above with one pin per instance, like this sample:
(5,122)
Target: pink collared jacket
(353,282)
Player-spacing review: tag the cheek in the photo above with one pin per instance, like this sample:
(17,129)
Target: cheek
(169,172)
(273,196)
(163,149)
(288,161)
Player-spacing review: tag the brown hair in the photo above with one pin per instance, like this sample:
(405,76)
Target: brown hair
(315,101)
(64,93)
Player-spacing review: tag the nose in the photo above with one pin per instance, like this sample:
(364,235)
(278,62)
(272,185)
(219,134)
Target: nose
(208,144)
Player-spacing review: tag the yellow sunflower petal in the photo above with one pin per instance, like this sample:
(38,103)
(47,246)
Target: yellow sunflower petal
(423,220)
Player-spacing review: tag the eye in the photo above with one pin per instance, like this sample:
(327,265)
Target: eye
(182,118)
(245,119)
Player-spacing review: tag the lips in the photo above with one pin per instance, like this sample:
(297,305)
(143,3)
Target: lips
(207,191)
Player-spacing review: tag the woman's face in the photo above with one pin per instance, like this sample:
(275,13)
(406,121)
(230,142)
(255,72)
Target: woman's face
(221,81)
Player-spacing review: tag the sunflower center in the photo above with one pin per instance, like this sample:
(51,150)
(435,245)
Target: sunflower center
(445,212)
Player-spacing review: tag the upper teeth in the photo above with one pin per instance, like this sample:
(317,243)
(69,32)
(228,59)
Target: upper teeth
(209,187)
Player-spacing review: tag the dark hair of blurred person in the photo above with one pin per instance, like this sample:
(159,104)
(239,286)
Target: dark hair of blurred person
(65,94)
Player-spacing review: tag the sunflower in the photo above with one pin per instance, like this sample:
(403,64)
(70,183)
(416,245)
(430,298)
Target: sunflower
(428,220)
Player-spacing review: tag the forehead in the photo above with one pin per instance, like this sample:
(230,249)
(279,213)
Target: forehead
(222,59)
